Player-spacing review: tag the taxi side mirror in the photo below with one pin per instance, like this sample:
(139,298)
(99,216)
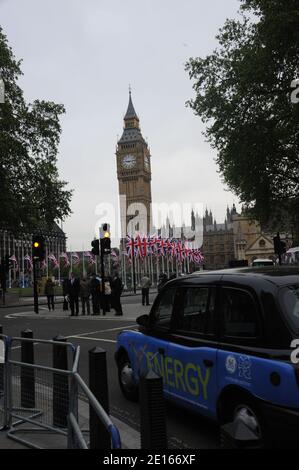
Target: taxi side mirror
(143,320)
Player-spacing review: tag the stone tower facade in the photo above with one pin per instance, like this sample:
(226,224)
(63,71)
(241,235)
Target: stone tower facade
(133,161)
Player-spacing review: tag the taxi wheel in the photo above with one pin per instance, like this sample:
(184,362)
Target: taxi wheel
(125,378)
(244,410)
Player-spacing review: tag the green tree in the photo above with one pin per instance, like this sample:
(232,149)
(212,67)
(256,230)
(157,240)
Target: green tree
(30,189)
(242,91)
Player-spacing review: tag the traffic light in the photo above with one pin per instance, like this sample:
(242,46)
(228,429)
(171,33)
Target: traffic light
(38,247)
(95,247)
(105,239)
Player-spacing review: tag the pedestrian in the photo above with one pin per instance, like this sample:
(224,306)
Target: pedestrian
(95,290)
(145,285)
(73,292)
(116,291)
(49,291)
(65,293)
(84,295)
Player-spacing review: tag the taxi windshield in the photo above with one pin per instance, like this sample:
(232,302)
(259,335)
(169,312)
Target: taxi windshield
(290,302)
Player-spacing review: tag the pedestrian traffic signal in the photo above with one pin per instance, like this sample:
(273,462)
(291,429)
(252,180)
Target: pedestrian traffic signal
(38,247)
(106,245)
(95,247)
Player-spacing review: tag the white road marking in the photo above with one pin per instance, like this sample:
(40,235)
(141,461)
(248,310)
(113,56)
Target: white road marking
(60,317)
(100,331)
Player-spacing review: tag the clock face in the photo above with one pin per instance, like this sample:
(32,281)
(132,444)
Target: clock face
(129,162)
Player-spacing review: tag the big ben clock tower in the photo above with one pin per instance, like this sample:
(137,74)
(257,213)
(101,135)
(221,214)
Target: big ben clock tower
(134,172)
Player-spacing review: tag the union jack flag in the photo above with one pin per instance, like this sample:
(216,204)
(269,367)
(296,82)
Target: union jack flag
(14,260)
(198,256)
(180,251)
(43,264)
(66,259)
(151,244)
(75,258)
(169,246)
(131,246)
(28,258)
(139,246)
(54,260)
(91,260)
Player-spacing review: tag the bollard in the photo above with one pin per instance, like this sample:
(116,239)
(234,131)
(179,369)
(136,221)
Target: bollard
(60,384)
(153,432)
(27,374)
(98,384)
(1,369)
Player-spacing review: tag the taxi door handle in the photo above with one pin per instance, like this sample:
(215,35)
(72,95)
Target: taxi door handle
(208,363)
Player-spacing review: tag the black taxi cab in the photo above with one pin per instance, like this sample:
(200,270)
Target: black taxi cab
(222,341)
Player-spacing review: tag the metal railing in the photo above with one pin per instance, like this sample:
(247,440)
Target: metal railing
(48,399)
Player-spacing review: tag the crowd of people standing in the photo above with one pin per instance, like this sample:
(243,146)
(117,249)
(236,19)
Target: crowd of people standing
(91,293)
(96,295)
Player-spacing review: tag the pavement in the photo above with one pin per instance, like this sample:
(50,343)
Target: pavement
(130,312)
(12,300)
(44,439)
(130,437)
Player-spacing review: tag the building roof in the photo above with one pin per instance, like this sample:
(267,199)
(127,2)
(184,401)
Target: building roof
(131,113)
(131,134)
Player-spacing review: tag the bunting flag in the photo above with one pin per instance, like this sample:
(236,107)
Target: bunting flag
(91,260)
(43,264)
(89,255)
(14,260)
(75,258)
(66,259)
(28,258)
(131,247)
(142,246)
(52,258)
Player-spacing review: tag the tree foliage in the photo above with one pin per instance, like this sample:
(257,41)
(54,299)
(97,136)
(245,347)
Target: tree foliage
(242,91)
(30,189)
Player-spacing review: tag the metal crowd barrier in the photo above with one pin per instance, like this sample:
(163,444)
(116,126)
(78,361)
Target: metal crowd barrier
(47,398)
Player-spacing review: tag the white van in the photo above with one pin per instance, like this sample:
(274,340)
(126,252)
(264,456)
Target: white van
(262,262)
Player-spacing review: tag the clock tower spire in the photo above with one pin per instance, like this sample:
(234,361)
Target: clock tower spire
(134,172)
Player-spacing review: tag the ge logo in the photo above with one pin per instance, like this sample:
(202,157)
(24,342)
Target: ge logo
(231,364)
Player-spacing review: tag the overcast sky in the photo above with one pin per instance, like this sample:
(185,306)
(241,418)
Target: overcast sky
(85,54)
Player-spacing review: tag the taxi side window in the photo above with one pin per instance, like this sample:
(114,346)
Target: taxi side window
(239,314)
(197,313)
(163,311)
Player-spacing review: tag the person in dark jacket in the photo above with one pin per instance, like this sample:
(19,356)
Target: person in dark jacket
(73,293)
(84,294)
(145,286)
(116,291)
(49,291)
(95,290)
